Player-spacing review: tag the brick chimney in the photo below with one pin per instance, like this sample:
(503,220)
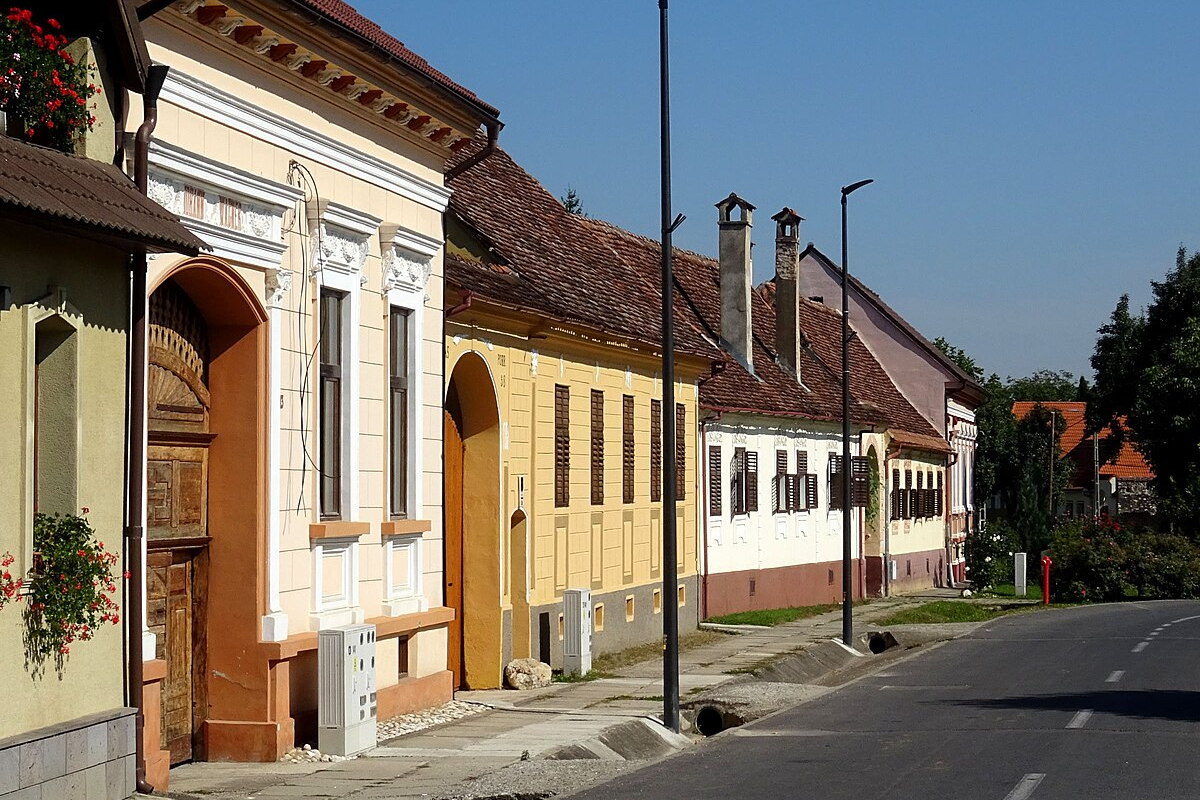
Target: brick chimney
(736,324)
(787,290)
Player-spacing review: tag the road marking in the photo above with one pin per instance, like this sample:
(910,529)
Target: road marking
(1185,619)
(1155,633)
(898,688)
(1025,786)
(1140,646)
(1080,719)
(1116,675)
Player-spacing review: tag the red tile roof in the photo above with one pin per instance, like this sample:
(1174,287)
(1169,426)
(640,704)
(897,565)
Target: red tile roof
(1129,463)
(347,17)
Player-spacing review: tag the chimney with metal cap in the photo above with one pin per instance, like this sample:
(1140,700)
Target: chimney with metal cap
(787,290)
(736,323)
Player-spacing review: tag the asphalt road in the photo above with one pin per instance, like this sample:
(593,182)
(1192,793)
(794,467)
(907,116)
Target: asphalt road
(1094,702)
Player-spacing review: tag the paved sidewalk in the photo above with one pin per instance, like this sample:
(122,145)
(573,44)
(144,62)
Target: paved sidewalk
(538,742)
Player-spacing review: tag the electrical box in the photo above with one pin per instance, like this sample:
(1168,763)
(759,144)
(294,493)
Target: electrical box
(577,631)
(346,705)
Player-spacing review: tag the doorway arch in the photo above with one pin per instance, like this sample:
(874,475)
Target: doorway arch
(472,523)
(206,473)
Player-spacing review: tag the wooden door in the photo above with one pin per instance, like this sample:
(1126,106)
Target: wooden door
(175,602)
(452,543)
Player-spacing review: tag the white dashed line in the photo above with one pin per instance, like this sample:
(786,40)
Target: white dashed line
(1154,633)
(1184,619)
(1116,675)
(1025,786)
(1080,719)
(1140,646)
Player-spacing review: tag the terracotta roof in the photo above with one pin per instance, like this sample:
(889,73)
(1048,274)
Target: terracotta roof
(557,264)
(86,198)
(346,16)
(1074,443)
(970,388)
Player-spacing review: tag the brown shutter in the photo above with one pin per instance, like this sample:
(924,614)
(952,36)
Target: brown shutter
(627,449)
(656,483)
(941,502)
(909,495)
(780,498)
(835,481)
(680,451)
(896,494)
(714,480)
(920,495)
(810,490)
(860,481)
(931,494)
(562,446)
(737,481)
(752,481)
(597,447)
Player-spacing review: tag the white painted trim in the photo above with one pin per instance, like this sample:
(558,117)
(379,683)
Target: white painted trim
(414,303)
(275,621)
(418,243)
(346,610)
(359,222)
(408,598)
(351,378)
(232,182)
(236,246)
(209,102)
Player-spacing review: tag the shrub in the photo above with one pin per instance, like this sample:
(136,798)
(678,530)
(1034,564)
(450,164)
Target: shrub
(1162,566)
(989,555)
(1089,562)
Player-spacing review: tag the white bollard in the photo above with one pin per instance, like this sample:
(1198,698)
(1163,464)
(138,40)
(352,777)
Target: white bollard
(1019,576)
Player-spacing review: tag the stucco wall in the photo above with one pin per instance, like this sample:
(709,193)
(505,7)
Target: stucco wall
(89,298)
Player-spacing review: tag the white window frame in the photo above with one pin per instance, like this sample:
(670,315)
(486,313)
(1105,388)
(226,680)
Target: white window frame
(404,598)
(344,609)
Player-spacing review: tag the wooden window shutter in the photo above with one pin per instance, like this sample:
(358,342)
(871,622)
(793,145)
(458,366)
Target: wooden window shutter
(920,495)
(751,480)
(941,502)
(835,481)
(627,449)
(931,494)
(860,481)
(896,494)
(562,446)
(597,447)
(714,480)
(656,483)
(910,495)
(681,437)
(780,498)
(810,490)
(737,481)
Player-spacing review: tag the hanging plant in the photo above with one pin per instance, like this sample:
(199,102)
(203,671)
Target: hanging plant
(10,588)
(73,593)
(44,93)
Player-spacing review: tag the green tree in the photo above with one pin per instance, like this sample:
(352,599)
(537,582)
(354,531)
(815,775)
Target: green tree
(572,203)
(1044,386)
(960,357)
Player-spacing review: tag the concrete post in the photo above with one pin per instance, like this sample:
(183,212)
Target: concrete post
(1020,575)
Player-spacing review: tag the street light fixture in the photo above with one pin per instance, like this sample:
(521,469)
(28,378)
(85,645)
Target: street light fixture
(847,583)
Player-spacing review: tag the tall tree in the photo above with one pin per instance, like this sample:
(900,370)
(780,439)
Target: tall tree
(1044,386)
(1117,364)
(572,203)
(960,357)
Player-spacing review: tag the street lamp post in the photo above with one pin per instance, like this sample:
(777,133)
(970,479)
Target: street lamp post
(847,582)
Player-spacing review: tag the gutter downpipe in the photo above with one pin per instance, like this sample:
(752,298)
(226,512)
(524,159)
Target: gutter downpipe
(493,127)
(135,532)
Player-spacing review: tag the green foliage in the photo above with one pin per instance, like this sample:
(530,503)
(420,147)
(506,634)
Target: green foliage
(1101,561)
(774,616)
(1044,386)
(989,555)
(960,357)
(942,611)
(1148,370)
(73,593)
(572,203)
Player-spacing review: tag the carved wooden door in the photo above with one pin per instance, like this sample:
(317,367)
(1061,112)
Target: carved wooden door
(177,512)
(453,545)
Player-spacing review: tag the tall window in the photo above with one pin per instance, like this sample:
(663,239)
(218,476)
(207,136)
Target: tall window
(597,447)
(783,485)
(910,505)
(680,451)
(398,407)
(330,426)
(627,449)
(714,480)
(744,492)
(897,496)
(656,477)
(562,446)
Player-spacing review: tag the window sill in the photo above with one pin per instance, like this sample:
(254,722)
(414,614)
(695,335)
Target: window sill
(338,529)
(400,527)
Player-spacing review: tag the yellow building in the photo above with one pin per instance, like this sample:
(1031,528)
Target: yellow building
(553,462)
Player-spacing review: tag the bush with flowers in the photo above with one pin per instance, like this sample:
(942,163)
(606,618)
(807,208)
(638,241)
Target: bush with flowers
(989,555)
(44,92)
(73,593)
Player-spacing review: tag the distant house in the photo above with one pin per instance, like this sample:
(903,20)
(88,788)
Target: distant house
(554,428)
(935,386)
(1123,480)
(73,230)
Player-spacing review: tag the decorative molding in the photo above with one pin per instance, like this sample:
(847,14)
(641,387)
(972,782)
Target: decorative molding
(407,258)
(231,181)
(278,282)
(207,101)
(342,238)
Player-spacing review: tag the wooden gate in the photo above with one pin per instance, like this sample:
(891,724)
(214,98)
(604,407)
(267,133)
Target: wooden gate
(453,543)
(177,513)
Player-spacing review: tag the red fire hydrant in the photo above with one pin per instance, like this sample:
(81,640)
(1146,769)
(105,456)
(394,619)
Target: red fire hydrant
(1045,580)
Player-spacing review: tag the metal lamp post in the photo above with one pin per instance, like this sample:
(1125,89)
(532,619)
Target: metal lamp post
(847,577)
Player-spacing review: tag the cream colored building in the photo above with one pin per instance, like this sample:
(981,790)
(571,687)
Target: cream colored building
(294,467)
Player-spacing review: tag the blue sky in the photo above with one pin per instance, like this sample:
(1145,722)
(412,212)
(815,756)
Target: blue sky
(1032,160)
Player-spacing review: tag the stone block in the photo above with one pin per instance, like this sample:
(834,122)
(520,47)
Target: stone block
(55,787)
(128,725)
(28,793)
(116,740)
(77,750)
(95,782)
(97,745)
(54,753)
(10,770)
(76,786)
(130,764)
(114,780)
(31,760)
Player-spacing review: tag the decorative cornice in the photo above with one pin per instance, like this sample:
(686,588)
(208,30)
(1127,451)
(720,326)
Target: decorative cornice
(407,258)
(231,181)
(275,49)
(207,101)
(342,237)
(278,282)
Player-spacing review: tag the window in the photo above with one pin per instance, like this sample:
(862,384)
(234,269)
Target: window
(714,481)
(921,505)
(835,481)
(809,479)
(930,495)
(562,446)
(910,496)
(897,496)
(680,451)
(330,426)
(940,504)
(398,408)
(860,481)
(627,449)
(597,447)
(743,477)
(656,478)
(783,485)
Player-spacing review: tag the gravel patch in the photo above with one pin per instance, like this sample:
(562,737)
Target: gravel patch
(430,717)
(534,780)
